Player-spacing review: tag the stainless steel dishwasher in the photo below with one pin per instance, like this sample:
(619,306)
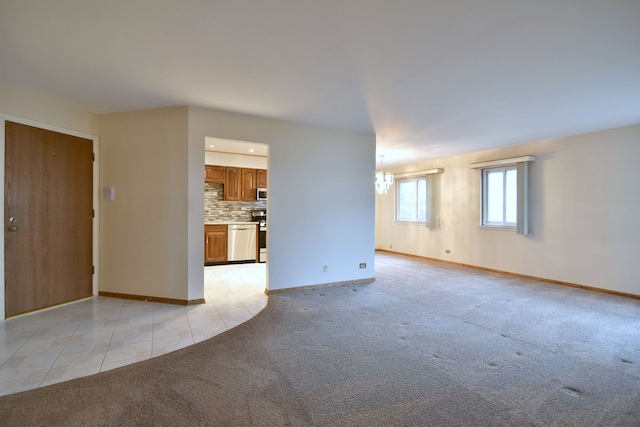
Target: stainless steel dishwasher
(241,242)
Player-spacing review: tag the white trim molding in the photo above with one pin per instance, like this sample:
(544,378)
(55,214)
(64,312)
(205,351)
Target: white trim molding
(418,173)
(503,162)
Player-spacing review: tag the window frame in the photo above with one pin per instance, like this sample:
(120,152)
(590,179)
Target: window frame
(397,199)
(484,223)
(523,166)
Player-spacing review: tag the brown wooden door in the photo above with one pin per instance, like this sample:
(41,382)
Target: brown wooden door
(248,185)
(48,218)
(232,189)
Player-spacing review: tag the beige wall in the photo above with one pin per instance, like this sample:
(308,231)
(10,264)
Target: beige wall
(585,210)
(151,235)
(143,232)
(321,207)
(46,110)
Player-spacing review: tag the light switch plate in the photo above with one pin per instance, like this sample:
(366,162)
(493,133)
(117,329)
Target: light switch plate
(109,193)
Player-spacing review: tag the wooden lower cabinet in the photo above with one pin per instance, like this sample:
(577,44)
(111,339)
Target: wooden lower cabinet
(215,244)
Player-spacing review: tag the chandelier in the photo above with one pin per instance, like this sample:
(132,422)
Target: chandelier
(383,179)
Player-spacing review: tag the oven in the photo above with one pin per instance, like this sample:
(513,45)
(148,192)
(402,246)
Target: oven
(262,242)
(260,216)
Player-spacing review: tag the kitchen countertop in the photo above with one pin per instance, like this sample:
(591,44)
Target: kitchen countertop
(230,222)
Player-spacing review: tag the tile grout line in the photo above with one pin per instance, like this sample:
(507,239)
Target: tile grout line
(67,342)
(111,337)
(222,282)
(23,344)
(30,336)
(190,328)
(246,285)
(226,326)
(153,327)
(237,278)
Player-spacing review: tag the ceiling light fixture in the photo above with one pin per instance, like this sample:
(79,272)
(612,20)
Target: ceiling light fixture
(251,151)
(383,180)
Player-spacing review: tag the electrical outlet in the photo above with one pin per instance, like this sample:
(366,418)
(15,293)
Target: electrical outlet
(363,265)
(325,268)
(447,251)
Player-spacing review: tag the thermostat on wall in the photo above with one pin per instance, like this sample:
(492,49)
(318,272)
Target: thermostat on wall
(109,193)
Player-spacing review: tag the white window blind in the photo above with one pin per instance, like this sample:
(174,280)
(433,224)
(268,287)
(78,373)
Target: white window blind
(523,225)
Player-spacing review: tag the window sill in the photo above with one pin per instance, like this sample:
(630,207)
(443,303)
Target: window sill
(498,227)
(420,223)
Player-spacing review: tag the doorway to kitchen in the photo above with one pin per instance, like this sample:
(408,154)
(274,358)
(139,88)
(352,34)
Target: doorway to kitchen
(235,221)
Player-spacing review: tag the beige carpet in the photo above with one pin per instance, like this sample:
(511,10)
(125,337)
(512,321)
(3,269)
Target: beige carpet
(426,344)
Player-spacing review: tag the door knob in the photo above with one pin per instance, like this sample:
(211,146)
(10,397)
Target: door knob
(12,228)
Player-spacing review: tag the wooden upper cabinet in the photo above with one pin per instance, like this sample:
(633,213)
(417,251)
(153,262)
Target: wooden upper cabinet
(232,184)
(214,174)
(240,184)
(261,178)
(248,185)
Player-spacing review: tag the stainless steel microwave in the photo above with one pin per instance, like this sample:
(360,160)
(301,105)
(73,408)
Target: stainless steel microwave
(261,194)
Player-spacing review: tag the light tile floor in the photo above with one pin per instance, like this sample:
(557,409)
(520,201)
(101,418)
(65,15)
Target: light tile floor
(99,333)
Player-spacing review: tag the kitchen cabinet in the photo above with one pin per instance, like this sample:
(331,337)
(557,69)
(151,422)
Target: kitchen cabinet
(240,184)
(248,186)
(214,174)
(232,183)
(215,244)
(261,178)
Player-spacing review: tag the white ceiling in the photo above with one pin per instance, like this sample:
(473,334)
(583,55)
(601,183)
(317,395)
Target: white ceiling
(429,77)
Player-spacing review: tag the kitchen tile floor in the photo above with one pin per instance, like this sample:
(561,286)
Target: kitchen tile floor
(99,333)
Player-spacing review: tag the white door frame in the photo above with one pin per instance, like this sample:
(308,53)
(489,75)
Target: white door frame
(96,200)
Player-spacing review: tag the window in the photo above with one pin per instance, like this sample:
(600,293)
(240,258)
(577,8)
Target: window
(505,194)
(411,200)
(500,197)
(417,198)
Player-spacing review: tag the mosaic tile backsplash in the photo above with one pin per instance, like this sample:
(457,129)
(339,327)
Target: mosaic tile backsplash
(216,209)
